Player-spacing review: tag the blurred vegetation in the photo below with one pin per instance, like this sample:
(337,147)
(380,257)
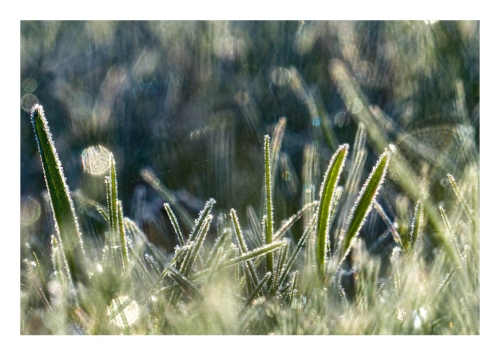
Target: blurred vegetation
(191,102)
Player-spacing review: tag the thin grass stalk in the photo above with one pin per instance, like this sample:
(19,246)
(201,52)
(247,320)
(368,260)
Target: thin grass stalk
(123,237)
(326,201)
(250,272)
(174,222)
(269,221)
(460,198)
(257,290)
(201,218)
(446,221)
(417,225)
(193,251)
(385,218)
(65,220)
(282,256)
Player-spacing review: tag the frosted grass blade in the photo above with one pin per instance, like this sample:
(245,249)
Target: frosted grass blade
(259,287)
(282,256)
(364,202)
(460,198)
(123,238)
(196,244)
(416,226)
(174,222)
(66,223)
(250,272)
(326,201)
(268,225)
(201,218)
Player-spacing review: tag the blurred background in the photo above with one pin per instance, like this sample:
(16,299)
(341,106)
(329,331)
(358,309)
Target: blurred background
(192,101)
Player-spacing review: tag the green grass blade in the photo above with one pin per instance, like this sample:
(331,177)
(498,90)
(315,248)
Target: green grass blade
(259,287)
(460,198)
(326,201)
(446,221)
(61,203)
(123,237)
(364,202)
(417,225)
(196,244)
(268,225)
(250,272)
(282,256)
(199,221)
(174,222)
(385,218)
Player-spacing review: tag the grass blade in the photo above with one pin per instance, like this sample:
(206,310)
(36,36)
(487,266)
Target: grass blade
(416,226)
(460,198)
(174,222)
(364,202)
(282,255)
(259,287)
(250,272)
(200,220)
(326,200)
(61,203)
(123,237)
(268,225)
